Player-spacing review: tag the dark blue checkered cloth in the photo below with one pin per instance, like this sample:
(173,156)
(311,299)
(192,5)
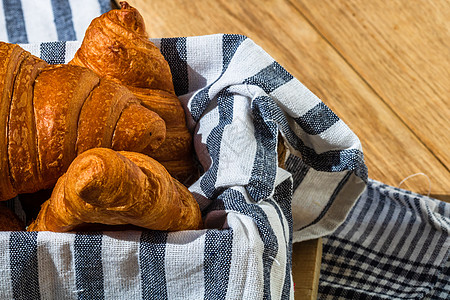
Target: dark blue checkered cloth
(379,242)
(393,245)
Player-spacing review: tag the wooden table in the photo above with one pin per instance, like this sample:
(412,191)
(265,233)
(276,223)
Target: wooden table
(382,66)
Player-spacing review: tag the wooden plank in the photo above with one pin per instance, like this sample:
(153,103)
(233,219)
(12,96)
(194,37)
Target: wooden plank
(402,50)
(391,150)
(306,261)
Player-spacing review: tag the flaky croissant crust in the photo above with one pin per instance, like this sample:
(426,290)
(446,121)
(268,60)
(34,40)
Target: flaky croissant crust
(117,46)
(116,188)
(51,113)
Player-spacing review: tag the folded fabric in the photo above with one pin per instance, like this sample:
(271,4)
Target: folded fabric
(394,245)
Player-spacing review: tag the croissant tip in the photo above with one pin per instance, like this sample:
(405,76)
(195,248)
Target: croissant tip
(124,5)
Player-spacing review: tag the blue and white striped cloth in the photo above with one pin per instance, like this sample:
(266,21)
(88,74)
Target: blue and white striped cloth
(31,21)
(379,242)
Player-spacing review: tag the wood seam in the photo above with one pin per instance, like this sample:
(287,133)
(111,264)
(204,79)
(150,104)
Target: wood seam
(366,82)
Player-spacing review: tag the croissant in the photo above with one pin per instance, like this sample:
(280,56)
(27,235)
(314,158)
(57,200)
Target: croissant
(117,187)
(51,113)
(116,46)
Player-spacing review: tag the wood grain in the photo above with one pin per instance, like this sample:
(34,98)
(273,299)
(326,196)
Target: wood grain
(306,260)
(402,50)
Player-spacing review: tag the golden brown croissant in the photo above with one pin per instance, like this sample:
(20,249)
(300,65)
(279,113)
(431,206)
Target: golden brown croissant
(49,114)
(110,187)
(116,46)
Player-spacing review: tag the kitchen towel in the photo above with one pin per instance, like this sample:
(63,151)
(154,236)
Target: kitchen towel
(393,245)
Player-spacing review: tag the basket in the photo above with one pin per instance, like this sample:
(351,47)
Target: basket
(249,118)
